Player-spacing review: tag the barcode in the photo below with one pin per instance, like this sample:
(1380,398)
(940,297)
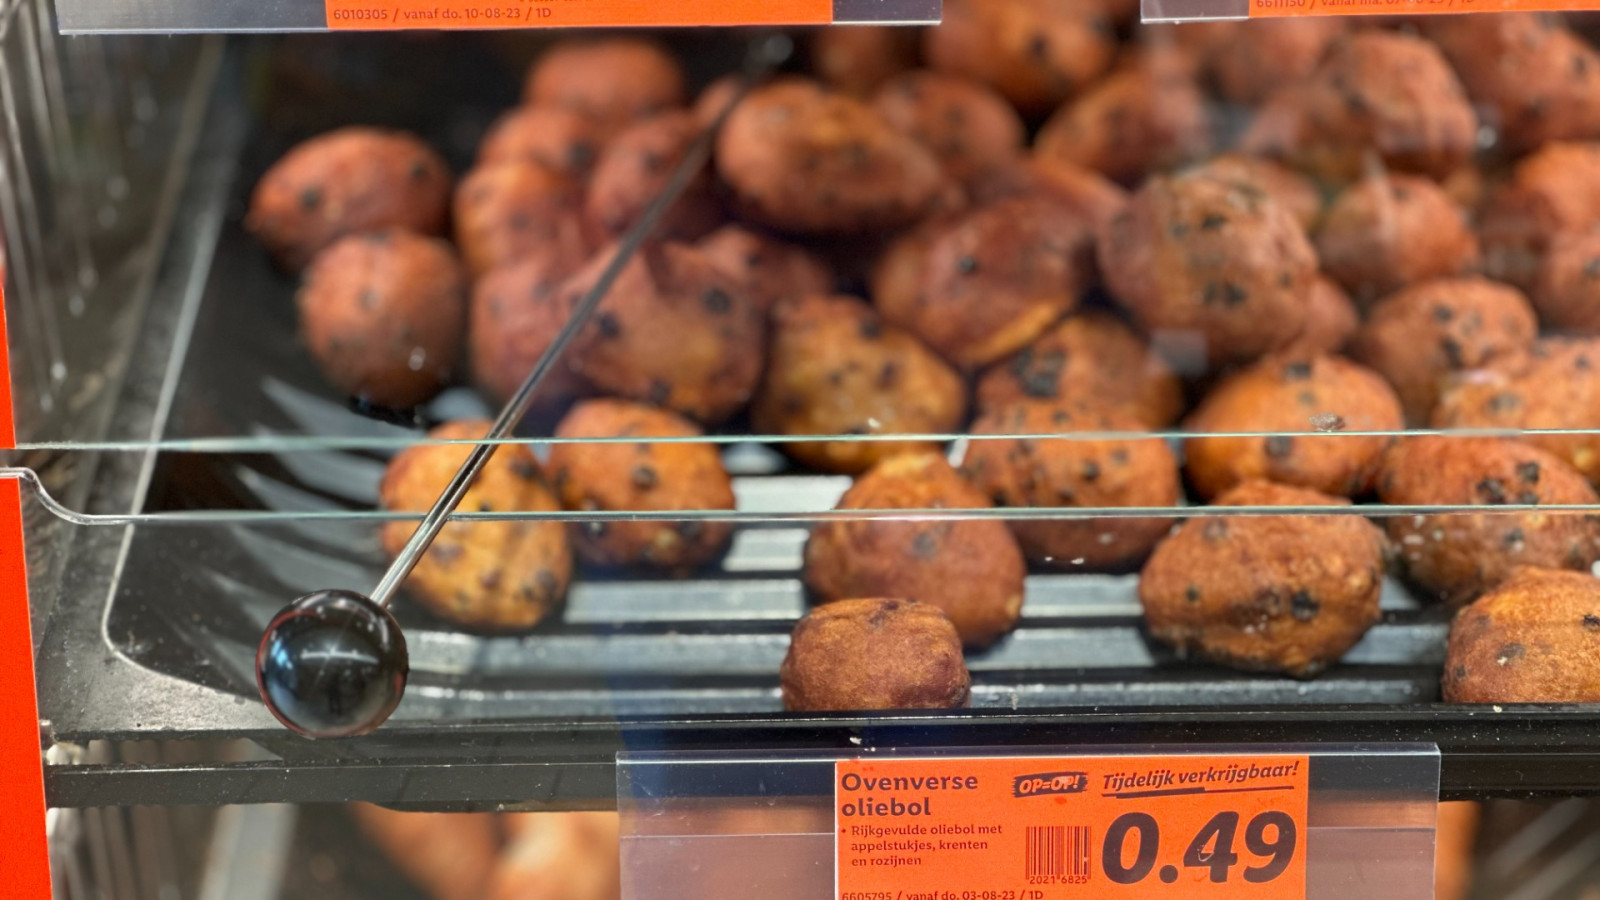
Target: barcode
(1056,851)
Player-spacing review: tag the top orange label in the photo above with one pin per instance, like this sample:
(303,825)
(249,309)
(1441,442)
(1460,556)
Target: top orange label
(379,15)
(1290,8)
(1108,828)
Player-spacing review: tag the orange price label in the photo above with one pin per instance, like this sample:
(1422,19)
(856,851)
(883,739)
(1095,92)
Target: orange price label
(401,15)
(1107,828)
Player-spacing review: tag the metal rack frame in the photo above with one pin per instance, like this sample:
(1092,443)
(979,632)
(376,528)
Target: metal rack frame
(90,692)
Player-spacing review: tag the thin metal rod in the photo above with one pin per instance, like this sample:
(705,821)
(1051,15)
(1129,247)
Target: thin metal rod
(765,56)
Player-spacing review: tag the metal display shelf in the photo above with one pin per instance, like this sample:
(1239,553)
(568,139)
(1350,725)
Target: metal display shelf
(112,667)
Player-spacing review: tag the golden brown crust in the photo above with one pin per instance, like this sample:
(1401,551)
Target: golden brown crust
(448,855)
(486,576)
(1567,291)
(1089,358)
(1067,471)
(967,126)
(558,139)
(1296,394)
(1147,116)
(1293,191)
(1551,191)
(874,655)
(971,570)
(836,369)
(769,269)
(1285,594)
(858,59)
(1389,231)
(1262,55)
(634,169)
(1212,261)
(987,283)
(517,311)
(614,81)
(1534,639)
(1455,557)
(1551,385)
(509,212)
(1422,337)
(1540,81)
(1036,53)
(559,856)
(716,97)
(383,314)
(800,158)
(1083,192)
(1375,92)
(641,477)
(1457,833)
(673,331)
(348,181)
(1331,321)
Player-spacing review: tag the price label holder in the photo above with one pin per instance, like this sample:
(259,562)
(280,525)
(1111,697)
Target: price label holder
(1153,823)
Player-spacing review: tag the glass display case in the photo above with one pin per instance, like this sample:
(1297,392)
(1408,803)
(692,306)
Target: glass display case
(1038,379)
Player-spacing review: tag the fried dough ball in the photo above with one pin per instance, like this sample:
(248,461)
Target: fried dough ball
(486,576)
(768,269)
(1293,191)
(1389,231)
(1551,385)
(1036,53)
(640,477)
(800,158)
(1456,834)
(383,314)
(1089,358)
(1331,321)
(1541,81)
(1531,640)
(836,369)
(448,855)
(1567,291)
(1287,594)
(673,331)
(517,311)
(1083,192)
(1262,55)
(1147,116)
(1380,93)
(559,856)
(1068,471)
(635,169)
(614,81)
(509,212)
(875,655)
(858,59)
(1551,191)
(1322,393)
(716,97)
(1212,261)
(1422,337)
(966,125)
(969,569)
(343,182)
(989,282)
(558,139)
(1454,557)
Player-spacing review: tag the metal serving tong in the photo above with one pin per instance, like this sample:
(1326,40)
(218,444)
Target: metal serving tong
(333,663)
